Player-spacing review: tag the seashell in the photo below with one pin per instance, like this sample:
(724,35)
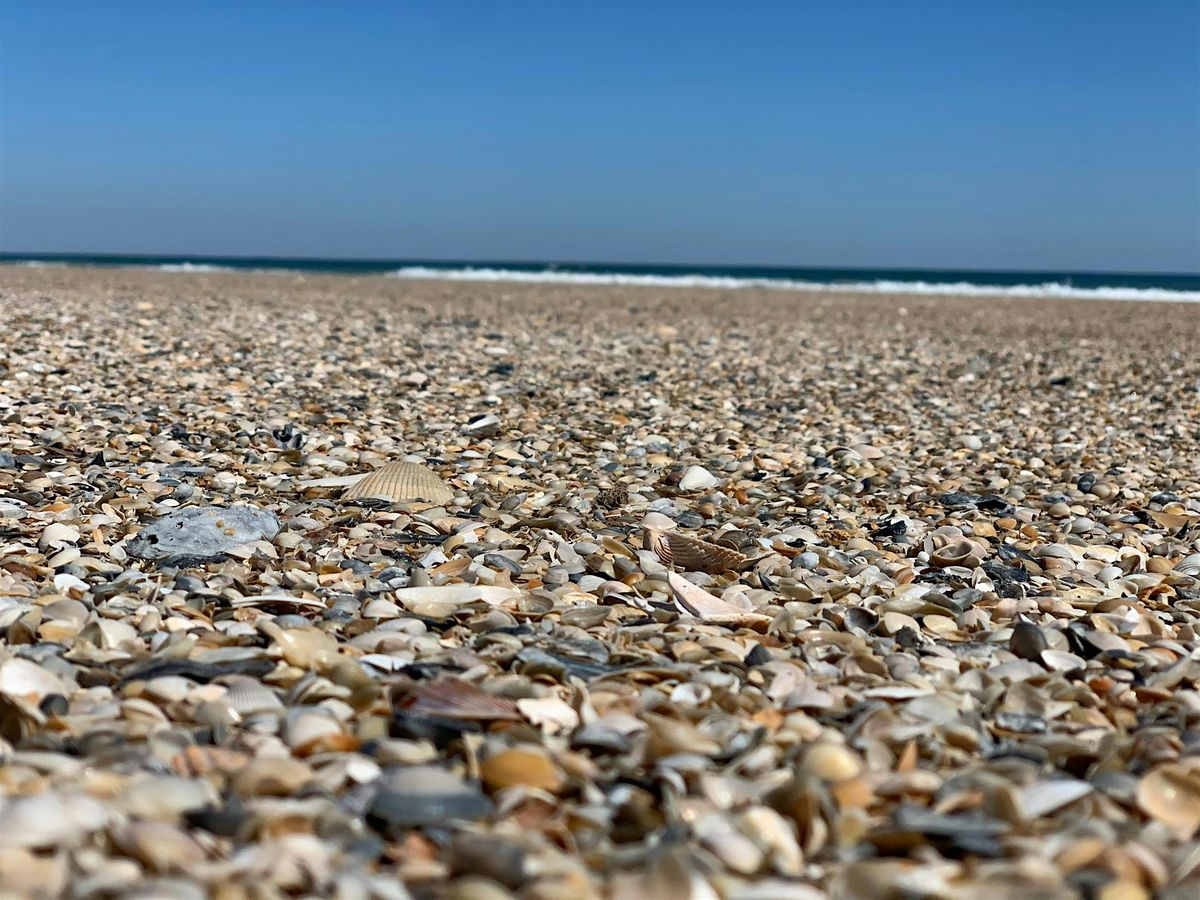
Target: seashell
(1061,661)
(1044,797)
(1189,565)
(967,554)
(159,847)
(1170,793)
(694,555)
(49,819)
(698,602)
(309,731)
(271,776)
(698,478)
(401,481)
(302,647)
(453,698)
(526,765)
(724,839)
(197,761)
(26,684)
(247,696)
(1028,641)
(775,835)
(58,535)
(830,762)
(550,714)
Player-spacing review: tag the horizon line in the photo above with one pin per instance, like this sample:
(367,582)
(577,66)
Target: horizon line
(33,255)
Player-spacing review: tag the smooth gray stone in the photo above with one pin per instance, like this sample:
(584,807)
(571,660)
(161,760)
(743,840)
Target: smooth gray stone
(195,532)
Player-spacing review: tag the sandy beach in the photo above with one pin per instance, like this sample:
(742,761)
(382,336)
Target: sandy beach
(745,594)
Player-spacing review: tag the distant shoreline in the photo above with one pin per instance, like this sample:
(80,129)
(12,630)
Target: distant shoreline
(945,282)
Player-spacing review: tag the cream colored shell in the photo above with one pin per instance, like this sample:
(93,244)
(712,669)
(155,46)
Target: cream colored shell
(401,481)
(694,555)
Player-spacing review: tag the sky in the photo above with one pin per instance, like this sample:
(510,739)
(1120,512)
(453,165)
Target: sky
(1003,135)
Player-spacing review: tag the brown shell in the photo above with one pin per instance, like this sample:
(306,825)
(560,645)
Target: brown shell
(611,498)
(694,555)
(453,698)
(401,481)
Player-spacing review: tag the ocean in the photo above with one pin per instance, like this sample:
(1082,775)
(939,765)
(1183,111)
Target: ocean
(1096,285)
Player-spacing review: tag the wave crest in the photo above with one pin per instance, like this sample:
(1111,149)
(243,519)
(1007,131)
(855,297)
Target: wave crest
(1050,289)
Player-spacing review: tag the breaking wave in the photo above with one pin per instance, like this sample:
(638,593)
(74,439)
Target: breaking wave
(960,288)
(192,267)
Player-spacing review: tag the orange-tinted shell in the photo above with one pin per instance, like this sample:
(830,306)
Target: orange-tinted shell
(401,481)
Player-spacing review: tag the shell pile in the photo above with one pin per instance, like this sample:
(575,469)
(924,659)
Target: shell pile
(693,594)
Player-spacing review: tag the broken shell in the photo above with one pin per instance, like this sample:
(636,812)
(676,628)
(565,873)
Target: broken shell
(963,553)
(699,602)
(694,555)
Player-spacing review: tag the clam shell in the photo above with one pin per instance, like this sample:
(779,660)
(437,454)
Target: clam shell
(453,698)
(247,696)
(401,481)
(694,555)
(1170,793)
(21,679)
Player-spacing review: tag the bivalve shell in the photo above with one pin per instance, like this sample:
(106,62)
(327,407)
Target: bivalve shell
(401,481)
(694,555)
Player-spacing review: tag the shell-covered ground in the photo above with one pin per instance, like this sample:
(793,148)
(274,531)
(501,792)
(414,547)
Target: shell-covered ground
(747,595)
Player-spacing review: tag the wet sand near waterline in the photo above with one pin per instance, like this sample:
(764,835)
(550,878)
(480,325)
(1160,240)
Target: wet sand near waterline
(907,478)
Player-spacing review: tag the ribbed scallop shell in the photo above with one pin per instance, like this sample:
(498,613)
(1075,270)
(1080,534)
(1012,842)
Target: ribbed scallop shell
(694,555)
(247,696)
(401,481)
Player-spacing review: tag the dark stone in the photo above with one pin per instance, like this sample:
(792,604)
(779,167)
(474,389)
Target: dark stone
(533,661)
(54,705)
(1028,641)
(1009,581)
(223,821)
(196,671)
(357,566)
(964,500)
(758,656)
(492,857)
(1021,723)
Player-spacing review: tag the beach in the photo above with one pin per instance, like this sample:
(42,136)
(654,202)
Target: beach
(734,593)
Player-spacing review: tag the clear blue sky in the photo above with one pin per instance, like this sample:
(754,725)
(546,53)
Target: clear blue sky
(1057,135)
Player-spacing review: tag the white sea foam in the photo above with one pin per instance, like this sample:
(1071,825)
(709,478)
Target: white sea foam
(1046,290)
(192,267)
(41,264)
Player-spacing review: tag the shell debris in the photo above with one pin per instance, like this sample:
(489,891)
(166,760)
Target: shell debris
(553,591)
